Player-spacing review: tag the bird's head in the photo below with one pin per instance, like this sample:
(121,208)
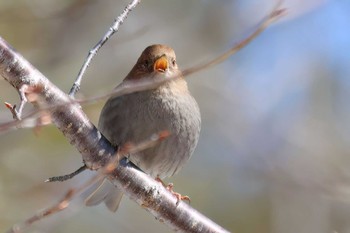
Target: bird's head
(157,60)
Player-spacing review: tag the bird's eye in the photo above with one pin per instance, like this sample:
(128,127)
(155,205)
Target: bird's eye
(145,64)
(174,62)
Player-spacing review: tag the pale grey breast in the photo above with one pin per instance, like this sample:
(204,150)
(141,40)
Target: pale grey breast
(135,117)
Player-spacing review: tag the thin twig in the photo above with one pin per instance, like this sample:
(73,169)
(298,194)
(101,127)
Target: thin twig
(113,29)
(151,82)
(59,206)
(13,111)
(66,177)
(275,14)
(74,192)
(17,114)
(22,95)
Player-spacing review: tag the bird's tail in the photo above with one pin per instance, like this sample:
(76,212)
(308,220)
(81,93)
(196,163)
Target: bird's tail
(105,192)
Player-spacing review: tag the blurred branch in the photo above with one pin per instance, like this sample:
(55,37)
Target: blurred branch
(73,192)
(113,29)
(276,13)
(61,205)
(96,150)
(152,82)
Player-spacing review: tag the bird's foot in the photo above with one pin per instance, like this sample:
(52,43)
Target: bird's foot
(170,188)
(178,196)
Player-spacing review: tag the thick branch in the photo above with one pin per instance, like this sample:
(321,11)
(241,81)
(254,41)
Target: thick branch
(95,149)
(67,115)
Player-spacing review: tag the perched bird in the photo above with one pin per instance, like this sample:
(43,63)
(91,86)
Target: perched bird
(135,117)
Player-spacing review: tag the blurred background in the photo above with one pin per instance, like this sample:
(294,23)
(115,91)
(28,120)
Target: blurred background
(273,155)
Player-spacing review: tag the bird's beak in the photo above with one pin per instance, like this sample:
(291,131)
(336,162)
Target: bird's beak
(161,64)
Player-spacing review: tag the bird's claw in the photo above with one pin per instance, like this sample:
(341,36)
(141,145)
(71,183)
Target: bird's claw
(170,188)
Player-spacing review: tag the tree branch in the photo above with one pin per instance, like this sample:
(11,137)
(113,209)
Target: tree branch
(101,174)
(96,151)
(113,29)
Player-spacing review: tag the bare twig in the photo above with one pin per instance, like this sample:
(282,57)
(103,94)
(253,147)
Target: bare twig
(68,176)
(59,206)
(16,114)
(275,14)
(23,99)
(74,192)
(151,82)
(12,109)
(113,29)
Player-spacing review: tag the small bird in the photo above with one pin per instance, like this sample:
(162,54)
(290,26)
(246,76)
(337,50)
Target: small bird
(134,117)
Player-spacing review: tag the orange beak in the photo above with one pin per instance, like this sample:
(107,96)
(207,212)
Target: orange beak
(161,64)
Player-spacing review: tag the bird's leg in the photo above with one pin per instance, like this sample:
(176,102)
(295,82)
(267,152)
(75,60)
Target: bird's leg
(68,176)
(170,187)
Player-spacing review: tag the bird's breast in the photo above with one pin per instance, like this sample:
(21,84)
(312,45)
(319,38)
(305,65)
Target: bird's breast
(135,117)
